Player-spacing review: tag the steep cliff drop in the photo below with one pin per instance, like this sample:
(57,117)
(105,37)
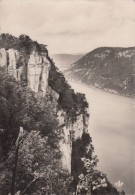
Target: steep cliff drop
(29,62)
(36,71)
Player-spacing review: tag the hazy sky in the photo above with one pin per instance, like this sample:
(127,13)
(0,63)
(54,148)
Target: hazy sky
(71,26)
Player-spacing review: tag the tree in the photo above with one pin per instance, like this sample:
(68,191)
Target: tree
(25,42)
(39,168)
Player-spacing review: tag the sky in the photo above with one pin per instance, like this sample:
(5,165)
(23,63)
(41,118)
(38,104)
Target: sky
(71,26)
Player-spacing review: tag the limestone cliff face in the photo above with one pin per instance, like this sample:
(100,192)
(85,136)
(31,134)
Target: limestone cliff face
(36,70)
(33,68)
(71,132)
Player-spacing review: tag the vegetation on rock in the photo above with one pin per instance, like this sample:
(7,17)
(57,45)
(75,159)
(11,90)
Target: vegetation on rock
(73,103)
(87,179)
(23,44)
(19,106)
(39,170)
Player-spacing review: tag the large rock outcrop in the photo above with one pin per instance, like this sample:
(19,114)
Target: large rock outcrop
(71,132)
(35,72)
(33,67)
(29,62)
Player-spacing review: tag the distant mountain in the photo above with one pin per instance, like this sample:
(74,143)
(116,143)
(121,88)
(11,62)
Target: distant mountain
(108,68)
(63,61)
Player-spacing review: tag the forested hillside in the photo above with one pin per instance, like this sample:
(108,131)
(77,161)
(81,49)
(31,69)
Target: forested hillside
(108,68)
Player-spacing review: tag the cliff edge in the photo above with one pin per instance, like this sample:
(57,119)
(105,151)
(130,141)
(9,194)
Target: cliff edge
(27,62)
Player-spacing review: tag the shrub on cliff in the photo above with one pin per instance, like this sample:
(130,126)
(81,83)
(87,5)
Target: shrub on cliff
(8,41)
(82,147)
(25,44)
(88,180)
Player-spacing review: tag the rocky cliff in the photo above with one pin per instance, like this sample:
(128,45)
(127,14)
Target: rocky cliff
(29,62)
(71,131)
(35,72)
(108,68)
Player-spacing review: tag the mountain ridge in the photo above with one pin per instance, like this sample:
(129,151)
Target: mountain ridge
(108,68)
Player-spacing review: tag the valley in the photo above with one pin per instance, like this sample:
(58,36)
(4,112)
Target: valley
(112,129)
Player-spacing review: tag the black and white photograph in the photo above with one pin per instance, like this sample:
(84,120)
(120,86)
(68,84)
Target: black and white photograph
(67,97)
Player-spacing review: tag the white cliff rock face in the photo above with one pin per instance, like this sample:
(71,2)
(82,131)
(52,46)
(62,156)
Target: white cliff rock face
(86,120)
(12,58)
(37,69)
(66,149)
(71,131)
(78,127)
(3,57)
(38,72)
(65,143)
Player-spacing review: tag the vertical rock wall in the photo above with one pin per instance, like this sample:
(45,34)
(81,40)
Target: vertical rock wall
(38,72)
(71,132)
(37,69)
(3,58)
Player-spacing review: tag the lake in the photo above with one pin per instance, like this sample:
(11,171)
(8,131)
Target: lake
(112,127)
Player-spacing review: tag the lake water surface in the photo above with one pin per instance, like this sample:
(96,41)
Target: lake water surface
(112,127)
